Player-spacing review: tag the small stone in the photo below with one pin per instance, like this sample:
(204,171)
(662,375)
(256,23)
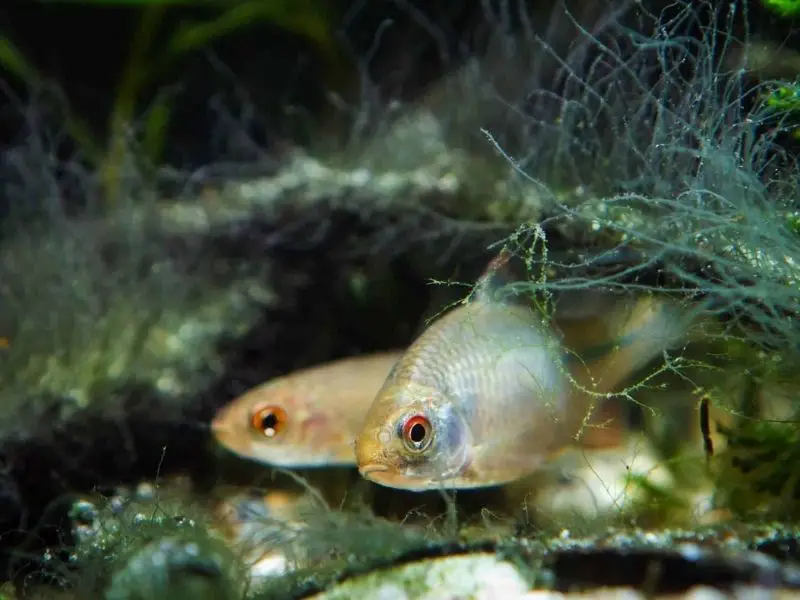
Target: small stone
(145,491)
(83,512)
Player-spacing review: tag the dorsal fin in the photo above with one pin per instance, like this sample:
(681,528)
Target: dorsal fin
(497,275)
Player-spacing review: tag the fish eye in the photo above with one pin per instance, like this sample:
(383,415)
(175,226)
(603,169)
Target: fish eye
(417,433)
(269,420)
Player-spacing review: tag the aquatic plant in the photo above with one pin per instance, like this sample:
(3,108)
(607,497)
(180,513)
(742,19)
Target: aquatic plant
(149,66)
(671,145)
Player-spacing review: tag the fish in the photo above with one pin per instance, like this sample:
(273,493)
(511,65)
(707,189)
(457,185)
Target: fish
(308,418)
(493,387)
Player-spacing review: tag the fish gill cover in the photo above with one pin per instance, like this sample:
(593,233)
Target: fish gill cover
(581,128)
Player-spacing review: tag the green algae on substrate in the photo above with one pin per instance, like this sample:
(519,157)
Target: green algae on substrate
(164,541)
(338,547)
(717,556)
(408,565)
(176,567)
(158,544)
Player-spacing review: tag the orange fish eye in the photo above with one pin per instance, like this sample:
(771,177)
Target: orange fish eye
(417,433)
(269,420)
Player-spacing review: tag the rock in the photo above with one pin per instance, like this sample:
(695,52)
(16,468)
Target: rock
(476,576)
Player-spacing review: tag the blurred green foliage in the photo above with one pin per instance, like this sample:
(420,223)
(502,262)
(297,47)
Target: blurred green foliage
(15,62)
(148,64)
(785,98)
(786,8)
(781,102)
(793,220)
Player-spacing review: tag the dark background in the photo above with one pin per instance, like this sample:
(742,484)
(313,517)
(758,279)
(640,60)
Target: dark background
(253,74)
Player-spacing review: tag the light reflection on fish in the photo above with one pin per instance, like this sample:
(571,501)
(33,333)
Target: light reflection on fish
(308,418)
(488,391)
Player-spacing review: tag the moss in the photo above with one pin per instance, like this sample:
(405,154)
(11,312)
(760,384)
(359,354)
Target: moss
(152,543)
(339,545)
(180,567)
(716,556)
(159,543)
(100,311)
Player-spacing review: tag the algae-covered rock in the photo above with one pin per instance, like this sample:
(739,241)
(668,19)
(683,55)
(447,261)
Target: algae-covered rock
(175,568)
(151,542)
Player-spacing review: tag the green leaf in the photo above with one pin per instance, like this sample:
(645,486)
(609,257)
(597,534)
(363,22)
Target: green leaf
(304,17)
(15,62)
(156,127)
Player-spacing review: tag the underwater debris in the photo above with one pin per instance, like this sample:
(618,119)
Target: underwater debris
(266,529)
(340,545)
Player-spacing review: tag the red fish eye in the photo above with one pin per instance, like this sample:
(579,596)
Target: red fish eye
(269,420)
(417,432)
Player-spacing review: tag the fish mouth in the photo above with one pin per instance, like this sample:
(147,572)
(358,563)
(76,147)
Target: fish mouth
(370,469)
(221,432)
(383,475)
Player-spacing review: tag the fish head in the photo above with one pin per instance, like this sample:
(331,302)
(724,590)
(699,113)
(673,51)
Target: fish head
(273,424)
(413,438)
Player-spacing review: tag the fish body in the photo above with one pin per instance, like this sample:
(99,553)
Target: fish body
(490,390)
(308,418)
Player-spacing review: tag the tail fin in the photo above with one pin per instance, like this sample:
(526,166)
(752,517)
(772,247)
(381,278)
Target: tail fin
(607,349)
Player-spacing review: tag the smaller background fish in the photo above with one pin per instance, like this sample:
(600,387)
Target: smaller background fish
(309,418)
